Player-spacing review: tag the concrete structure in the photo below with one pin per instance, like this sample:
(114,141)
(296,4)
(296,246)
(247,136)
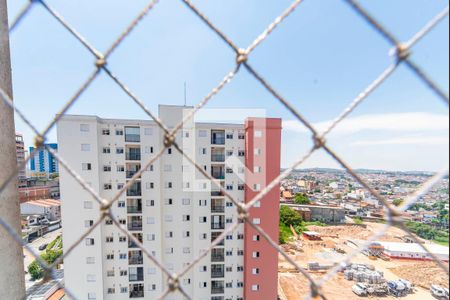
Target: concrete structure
(414,251)
(174,211)
(326,214)
(12,283)
(42,162)
(49,208)
(21,153)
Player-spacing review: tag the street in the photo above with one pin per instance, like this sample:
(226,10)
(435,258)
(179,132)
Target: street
(29,258)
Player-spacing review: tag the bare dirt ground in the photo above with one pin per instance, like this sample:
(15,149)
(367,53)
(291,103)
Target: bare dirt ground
(296,287)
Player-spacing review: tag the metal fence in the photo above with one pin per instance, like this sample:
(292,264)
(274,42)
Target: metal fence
(401,55)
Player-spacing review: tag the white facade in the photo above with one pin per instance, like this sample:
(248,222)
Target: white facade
(176,214)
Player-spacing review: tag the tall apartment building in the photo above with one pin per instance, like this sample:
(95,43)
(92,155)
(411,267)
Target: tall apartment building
(43,162)
(21,153)
(172,210)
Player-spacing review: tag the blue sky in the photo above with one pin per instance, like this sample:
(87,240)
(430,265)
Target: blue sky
(320,59)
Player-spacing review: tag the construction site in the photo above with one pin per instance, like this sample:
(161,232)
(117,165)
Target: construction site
(371,274)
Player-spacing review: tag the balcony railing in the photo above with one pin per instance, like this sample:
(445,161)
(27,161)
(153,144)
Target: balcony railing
(217,208)
(136,260)
(133,156)
(132,138)
(217,194)
(219,289)
(134,209)
(134,193)
(218,175)
(218,140)
(218,157)
(136,294)
(135,226)
(217,226)
(136,277)
(130,174)
(217,274)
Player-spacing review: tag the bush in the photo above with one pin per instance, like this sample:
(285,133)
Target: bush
(289,217)
(35,270)
(358,221)
(285,234)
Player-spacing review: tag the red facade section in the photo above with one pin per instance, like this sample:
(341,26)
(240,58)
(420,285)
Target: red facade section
(263,154)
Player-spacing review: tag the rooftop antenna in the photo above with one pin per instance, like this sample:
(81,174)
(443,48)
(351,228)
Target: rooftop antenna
(185,93)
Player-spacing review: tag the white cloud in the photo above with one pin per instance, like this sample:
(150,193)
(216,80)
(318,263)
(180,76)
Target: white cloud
(395,122)
(407,140)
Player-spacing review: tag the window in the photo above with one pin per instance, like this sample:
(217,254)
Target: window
(91,278)
(151,220)
(203,203)
(255,271)
(186,234)
(86,167)
(110,256)
(88,204)
(132,134)
(257,170)
(169,151)
(229,187)
(152,271)
(258,134)
(230,152)
(203,133)
(120,186)
(167,168)
(107,186)
(257,221)
(240,253)
(150,203)
(119,131)
(256,254)
(169,185)
(257,204)
(110,273)
(186,218)
(85,147)
(106,168)
(106,150)
(241,136)
(92,296)
(84,127)
(168,218)
(106,132)
(241,153)
(186,201)
(255,288)
(203,219)
(111,290)
(258,152)
(169,251)
(186,250)
(151,237)
(230,136)
(148,131)
(121,204)
(168,201)
(90,260)
(123,290)
(256,187)
(120,151)
(89,242)
(122,256)
(122,239)
(149,150)
(109,239)
(120,169)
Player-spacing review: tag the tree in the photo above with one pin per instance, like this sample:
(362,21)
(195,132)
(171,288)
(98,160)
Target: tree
(397,202)
(35,270)
(289,217)
(302,199)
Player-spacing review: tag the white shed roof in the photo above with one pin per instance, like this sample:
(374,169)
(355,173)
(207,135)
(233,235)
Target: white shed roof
(415,248)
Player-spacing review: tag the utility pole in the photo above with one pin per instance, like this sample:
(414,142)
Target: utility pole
(12,275)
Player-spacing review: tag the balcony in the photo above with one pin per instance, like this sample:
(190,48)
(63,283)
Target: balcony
(218,137)
(135,223)
(215,236)
(133,156)
(134,206)
(133,168)
(217,287)
(218,255)
(132,134)
(217,271)
(218,155)
(136,274)
(132,244)
(217,206)
(135,190)
(136,291)
(135,258)
(218,172)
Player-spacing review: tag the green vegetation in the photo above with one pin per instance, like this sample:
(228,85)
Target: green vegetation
(289,217)
(51,254)
(358,221)
(429,233)
(398,202)
(302,199)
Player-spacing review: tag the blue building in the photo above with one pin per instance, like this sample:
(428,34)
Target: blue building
(42,161)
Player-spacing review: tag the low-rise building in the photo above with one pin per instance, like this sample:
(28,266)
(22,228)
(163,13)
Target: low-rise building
(49,208)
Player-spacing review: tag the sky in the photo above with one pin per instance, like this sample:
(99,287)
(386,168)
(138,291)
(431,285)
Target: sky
(319,59)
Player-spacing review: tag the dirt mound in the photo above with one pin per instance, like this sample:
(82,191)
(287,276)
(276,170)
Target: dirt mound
(422,274)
